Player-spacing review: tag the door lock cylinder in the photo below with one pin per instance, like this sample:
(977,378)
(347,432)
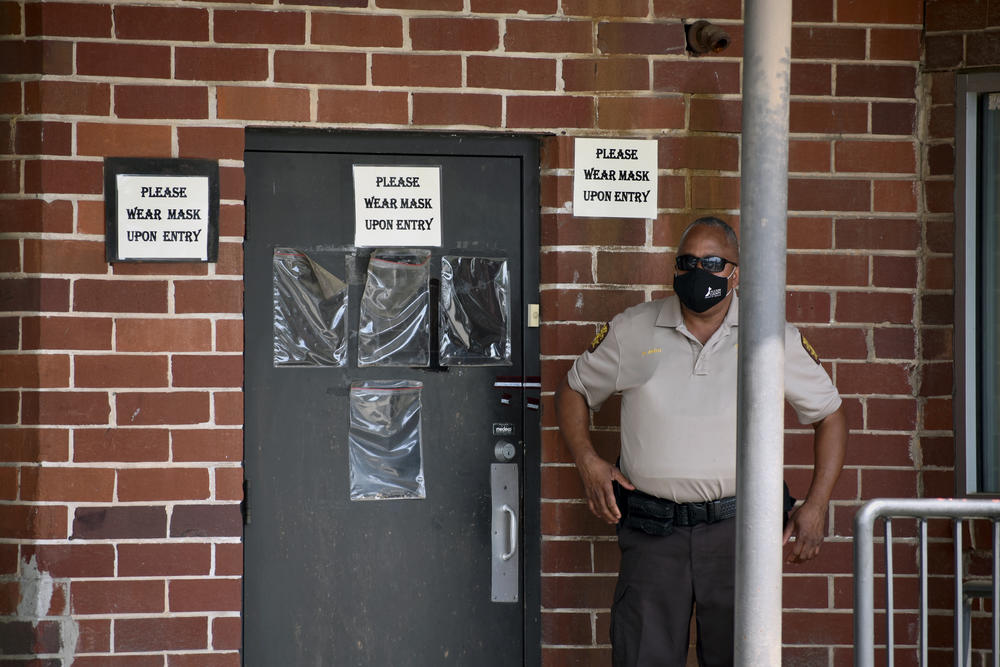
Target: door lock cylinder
(505,451)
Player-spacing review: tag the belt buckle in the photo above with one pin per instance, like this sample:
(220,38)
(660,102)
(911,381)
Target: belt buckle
(698,513)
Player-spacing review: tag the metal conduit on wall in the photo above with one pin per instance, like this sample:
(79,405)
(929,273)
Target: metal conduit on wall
(760,406)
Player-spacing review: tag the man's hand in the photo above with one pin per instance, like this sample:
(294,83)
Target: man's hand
(804,533)
(597,475)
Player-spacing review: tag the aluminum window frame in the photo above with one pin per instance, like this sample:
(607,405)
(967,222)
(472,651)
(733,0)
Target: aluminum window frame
(969,86)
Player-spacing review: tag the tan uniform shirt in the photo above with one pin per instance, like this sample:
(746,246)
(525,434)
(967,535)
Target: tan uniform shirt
(678,415)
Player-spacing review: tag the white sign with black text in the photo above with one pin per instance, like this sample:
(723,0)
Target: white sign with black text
(162,217)
(615,178)
(397,206)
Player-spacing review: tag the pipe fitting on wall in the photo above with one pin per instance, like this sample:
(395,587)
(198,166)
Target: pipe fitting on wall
(704,37)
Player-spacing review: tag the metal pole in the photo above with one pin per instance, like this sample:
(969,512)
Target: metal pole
(923,591)
(959,617)
(761,387)
(890,625)
(864,583)
(996,595)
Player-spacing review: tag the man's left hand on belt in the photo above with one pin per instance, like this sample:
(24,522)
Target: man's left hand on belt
(804,533)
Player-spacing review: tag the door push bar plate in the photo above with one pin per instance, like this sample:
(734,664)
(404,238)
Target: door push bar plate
(506,558)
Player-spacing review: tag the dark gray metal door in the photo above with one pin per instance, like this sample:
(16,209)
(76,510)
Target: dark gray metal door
(330,581)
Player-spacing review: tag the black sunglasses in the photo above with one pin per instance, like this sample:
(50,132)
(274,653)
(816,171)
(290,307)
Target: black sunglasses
(712,263)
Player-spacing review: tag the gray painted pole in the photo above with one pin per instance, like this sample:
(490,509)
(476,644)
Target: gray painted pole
(760,421)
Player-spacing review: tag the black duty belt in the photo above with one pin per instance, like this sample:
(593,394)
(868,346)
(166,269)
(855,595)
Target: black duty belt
(658,516)
(691,514)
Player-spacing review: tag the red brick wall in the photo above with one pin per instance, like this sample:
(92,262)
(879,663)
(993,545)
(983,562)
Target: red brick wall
(120,465)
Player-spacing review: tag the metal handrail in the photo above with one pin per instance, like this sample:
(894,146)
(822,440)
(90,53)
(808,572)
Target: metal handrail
(864,569)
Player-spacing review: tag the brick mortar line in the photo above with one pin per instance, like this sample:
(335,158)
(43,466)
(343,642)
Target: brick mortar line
(227,277)
(127,654)
(125,390)
(839,539)
(74,197)
(268,83)
(140,541)
(499,52)
(657,250)
(801,325)
(165,277)
(103,314)
(962,33)
(921,134)
(466,12)
(232,317)
(228,163)
(127,353)
(185,577)
(208,465)
(833,215)
(79,654)
(858,176)
(792,289)
(208,613)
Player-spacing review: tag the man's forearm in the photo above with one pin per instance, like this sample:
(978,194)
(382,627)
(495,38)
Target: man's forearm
(830,447)
(807,523)
(573,416)
(596,474)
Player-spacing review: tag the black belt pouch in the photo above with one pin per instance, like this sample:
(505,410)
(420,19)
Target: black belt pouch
(641,511)
(789,503)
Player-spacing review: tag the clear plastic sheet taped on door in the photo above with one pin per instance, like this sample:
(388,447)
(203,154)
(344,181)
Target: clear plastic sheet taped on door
(394,315)
(384,440)
(310,310)
(474,320)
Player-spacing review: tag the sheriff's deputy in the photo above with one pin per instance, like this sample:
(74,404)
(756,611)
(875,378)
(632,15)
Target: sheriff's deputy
(674,362)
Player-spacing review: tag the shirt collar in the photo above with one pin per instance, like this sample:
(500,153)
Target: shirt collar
(670,313)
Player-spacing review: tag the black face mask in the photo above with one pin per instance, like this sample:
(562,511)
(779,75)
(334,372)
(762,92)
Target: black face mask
(699,290)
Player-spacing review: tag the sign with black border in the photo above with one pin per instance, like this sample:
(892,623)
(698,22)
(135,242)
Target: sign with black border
(161,210)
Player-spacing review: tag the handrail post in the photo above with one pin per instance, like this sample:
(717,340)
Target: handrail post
(920,509)
(864,585)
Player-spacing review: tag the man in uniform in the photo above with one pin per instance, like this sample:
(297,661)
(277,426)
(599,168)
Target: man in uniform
(673,498)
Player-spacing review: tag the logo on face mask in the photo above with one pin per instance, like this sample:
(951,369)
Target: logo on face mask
(712,293)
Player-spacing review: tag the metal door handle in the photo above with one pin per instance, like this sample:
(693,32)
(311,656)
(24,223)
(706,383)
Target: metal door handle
(511,532)
(505,562)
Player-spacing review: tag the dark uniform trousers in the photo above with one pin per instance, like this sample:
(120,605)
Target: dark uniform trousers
(660,580)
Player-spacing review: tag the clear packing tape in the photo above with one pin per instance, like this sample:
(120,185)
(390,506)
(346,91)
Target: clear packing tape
(310,312)
(384,440)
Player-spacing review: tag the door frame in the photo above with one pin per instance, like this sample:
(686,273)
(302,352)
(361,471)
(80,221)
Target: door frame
(526,149)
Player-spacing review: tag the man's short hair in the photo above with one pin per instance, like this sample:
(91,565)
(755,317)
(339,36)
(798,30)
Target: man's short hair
(715,223)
